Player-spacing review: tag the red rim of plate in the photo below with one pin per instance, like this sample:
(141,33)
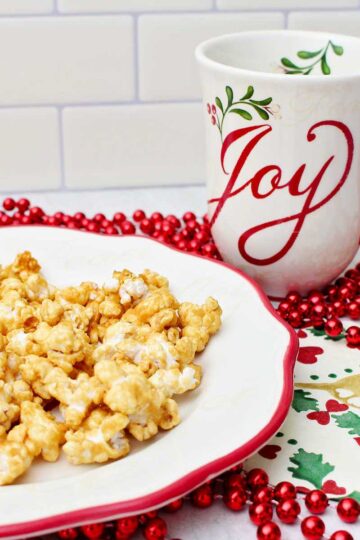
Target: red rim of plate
(195,478)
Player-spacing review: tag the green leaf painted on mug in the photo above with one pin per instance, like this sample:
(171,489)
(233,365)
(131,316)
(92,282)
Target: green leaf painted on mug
(308,54)
(325,68)
(337,49)
(219,104)
(245,114)
(249,93)
(230,95)
(288,63)
(261,112)
(262,102)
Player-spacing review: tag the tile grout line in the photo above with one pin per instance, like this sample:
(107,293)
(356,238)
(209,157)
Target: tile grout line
(136,60)
(94,104)
(61,148)
(213,11)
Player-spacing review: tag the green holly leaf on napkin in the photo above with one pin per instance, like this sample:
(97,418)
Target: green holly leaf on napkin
(304,402)
(310,467)
(355,495)
(348,420)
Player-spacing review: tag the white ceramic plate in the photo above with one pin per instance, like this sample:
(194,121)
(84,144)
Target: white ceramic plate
(243,400)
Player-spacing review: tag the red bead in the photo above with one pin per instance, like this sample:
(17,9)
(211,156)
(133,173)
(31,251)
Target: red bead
(110,229)
(174,506)
(9,204)
(203,496)
(158,226)
(339,308)
(176,238)
(304,308)
(235,480)
(78,217)
(353,273)
(192,225)
(313,528)
(93,227)
(155,529)
(127,525)
(315,297)
(25,220)
(36,213)
(257,478)
(188,216)
(98,218)
(331,292)
(156,216)
(22,205)
(68,534)
(118,218)
(6,220)
(209,250)
(284,307)
(139,215)
(127,227)
(316,501)
(293,297)
(182,244)
(85,222)
(53,221)
(260,513)
(147,226)
(353,310)
(353,336)
(341,535)
(185,233)
(93,532)
(284,490)
(288,511)
(294,318)
(72,224)
(17,215)
(167,227)
(345,292)
(194,245)
(235,498)
(348,510)
(105,223)
(319,311)
(201,237)
(263,495)
(333,327)
(173,220)
(269,531)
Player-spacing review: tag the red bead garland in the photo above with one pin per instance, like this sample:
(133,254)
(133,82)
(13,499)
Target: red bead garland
(348,510)
(269,531)
(260,513)
(288,511)
(235,498)
(316,501)
(341,535)
(155,529)
(313,528)
(284,490)
(321,309)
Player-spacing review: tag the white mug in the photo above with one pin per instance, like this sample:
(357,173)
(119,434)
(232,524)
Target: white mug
(282,113)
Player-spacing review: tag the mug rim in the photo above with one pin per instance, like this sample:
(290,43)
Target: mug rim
(202,57)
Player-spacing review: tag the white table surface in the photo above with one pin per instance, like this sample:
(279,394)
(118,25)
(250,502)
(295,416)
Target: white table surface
(215,523)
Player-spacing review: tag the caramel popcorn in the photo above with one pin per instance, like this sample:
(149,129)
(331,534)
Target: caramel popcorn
(85,368)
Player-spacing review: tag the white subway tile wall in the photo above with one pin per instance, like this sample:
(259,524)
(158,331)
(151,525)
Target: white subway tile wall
(147,144)
(167,68)
(29,148)
(105,93)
